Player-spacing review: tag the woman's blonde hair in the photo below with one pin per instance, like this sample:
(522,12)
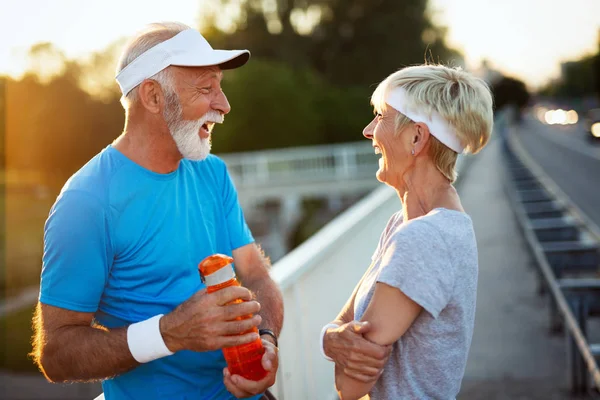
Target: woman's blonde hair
(462,99)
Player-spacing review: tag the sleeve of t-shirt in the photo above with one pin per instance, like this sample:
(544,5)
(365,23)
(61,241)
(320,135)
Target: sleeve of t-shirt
(392,222)
(239,233)
(77,253)
(416,262)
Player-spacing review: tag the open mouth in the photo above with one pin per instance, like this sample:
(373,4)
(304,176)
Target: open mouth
(377,150)
(207,128)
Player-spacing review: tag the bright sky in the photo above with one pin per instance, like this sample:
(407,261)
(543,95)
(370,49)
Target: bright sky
(525,38)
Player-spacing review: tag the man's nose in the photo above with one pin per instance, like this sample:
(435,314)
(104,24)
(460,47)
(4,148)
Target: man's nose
(221,104)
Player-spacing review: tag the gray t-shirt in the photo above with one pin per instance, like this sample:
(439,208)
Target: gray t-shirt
(433,260)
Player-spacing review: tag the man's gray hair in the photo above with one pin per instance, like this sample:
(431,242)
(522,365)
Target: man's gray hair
(144,40)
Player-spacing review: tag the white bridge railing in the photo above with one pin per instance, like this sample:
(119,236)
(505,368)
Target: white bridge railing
(340,168)
(325,162)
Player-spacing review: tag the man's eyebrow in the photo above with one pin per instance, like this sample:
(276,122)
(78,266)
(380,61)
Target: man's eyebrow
(210,74)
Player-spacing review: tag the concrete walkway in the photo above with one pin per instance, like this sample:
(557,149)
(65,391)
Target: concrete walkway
(512,355)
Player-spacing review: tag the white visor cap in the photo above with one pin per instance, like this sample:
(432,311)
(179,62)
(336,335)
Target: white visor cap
(186,49)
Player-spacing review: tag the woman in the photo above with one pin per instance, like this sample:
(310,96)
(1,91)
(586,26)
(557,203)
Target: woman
(413,311)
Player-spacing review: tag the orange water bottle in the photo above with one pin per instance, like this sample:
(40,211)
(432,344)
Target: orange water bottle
(217,273)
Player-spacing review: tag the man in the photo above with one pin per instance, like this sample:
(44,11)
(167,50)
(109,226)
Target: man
(121,299)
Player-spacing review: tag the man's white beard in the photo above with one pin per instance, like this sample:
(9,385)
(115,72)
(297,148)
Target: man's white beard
(186,133)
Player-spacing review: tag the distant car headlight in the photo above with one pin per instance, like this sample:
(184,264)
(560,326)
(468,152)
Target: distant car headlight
(596,129)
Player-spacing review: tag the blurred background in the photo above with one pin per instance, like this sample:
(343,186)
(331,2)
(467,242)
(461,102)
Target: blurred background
(293,139)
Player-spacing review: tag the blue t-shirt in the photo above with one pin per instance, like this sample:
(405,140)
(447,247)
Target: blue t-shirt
(124,243)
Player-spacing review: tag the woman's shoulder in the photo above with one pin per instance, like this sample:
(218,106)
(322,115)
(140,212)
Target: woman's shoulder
(439,226)
(446,221)
(393,223)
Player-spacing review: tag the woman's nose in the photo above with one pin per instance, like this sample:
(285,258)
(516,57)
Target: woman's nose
(368,132)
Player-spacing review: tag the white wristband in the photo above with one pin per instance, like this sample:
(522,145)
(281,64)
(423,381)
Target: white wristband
(323,331)
(145,341)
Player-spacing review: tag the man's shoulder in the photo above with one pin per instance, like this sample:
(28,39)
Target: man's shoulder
(94,177)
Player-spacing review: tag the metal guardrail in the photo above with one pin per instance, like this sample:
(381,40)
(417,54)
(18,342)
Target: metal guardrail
(548,219)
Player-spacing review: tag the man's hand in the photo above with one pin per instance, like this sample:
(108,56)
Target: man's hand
(242,388)
(208,322)
(356,356)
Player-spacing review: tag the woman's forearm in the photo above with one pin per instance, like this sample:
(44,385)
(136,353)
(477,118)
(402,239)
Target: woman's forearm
(349,388)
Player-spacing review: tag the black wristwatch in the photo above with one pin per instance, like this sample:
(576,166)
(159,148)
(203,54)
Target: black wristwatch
(270,333)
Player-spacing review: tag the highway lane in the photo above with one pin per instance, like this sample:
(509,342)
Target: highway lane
(569,158)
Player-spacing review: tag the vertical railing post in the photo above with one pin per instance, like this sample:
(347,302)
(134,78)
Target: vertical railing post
(244,172)
(577,370)
(582,320)
(340,165)
(262,168)
(350,155)
(572,353)
(556,325)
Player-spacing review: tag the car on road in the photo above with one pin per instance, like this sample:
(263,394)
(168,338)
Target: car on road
(592,124)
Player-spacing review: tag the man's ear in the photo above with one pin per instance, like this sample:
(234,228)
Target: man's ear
(420,137)
(151,96)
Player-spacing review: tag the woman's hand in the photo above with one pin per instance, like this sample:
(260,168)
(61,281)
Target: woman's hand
(356,356)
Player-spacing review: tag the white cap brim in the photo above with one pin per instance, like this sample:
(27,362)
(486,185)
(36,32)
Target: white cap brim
(225,59)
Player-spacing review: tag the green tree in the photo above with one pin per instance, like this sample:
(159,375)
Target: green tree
(350,42)
(510,91)
(578,79)
(362,41)
(293,107)
(56,126)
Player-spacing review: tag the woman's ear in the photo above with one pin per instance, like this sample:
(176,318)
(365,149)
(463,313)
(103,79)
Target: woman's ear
(420,137)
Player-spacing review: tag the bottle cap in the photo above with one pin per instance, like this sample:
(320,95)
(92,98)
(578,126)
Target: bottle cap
(216,269)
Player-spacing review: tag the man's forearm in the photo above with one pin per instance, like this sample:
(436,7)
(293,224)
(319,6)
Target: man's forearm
(86,354)
(271,302)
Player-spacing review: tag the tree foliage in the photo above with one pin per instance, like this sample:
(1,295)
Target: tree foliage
(510,91)
(293,107)
(55,127)
(578,79)
(349,42)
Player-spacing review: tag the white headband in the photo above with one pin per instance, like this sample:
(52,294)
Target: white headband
(438,126)
(187,49)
